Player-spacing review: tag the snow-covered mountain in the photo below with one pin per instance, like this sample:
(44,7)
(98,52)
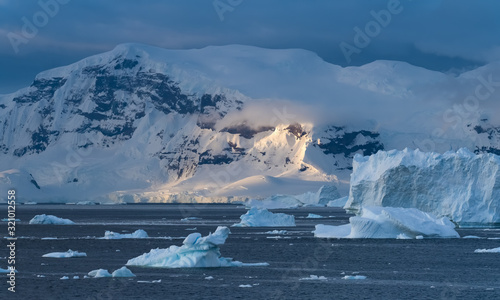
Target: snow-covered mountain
(140,123)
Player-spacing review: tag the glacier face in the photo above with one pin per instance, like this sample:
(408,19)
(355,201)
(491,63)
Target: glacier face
(460,185)
(140,123)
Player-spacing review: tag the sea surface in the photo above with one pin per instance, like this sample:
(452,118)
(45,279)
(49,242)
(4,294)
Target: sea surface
(394,269)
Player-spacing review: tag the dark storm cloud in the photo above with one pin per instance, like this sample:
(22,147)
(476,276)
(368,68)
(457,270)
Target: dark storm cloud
(439,35)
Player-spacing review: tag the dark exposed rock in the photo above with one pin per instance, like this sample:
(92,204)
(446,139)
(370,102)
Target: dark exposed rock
(246,131)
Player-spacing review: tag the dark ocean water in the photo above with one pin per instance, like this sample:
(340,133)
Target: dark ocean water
(395,269)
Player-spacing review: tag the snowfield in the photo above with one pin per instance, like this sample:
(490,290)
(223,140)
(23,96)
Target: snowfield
(460,185)
(50,219)
(390,222)
(196,252)
(256,217)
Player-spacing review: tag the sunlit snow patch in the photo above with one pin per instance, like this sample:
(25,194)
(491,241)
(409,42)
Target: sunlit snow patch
(196,252)
(50,219)
(138,234)
(494,250)
(68,254)
(256,217)
(390,222)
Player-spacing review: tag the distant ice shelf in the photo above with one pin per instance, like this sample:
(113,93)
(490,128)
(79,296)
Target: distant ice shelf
(256,217)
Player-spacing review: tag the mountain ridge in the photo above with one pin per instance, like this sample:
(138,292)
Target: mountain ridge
(141,123)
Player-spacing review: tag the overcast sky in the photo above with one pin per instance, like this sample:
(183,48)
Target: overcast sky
(439,35)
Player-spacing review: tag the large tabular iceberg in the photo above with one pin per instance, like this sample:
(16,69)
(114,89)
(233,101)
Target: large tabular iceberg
(49,219)
(460,185)
(390,222)
(256,217)
(196,252)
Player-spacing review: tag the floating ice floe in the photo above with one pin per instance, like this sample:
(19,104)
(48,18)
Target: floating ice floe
(10,220)
(460,185)
(354,277)
(196,252)
(86,203)
(190,219)
(314,277)
(64,278)
(68,254)
(390,222)
(324,195)
(313,216)
(256,217)
(50,219)
(209,277)
(138,234)
(245,286)
(494,250)
(276,232)
(8,270)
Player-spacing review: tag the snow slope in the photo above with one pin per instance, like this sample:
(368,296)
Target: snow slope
(226,123)
(460,185)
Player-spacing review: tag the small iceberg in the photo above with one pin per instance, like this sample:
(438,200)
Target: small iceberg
(68,254)
(50,219)
(99,273)
(494,250)
(390,222)
(196,252)
(256,217)
(138,234)
(122,272)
